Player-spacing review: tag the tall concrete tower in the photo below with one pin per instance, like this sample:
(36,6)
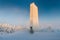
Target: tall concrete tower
(34,23)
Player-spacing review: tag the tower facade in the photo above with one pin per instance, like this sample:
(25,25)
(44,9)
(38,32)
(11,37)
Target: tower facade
(34,16)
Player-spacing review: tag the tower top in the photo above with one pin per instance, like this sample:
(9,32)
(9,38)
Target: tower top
(33,3)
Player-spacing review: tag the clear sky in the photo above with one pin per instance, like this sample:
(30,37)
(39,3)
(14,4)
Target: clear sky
(17,11)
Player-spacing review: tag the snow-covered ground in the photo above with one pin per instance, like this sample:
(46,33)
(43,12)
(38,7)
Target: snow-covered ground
(9,32)
(26,35)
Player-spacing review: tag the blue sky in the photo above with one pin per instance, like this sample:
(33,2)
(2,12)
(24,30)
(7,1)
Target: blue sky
(17,11)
